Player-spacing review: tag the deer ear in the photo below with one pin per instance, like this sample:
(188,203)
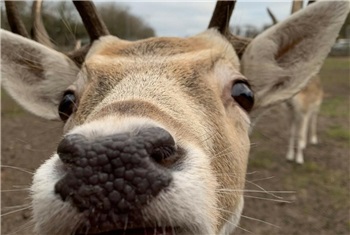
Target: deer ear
(34,75)
(279,62)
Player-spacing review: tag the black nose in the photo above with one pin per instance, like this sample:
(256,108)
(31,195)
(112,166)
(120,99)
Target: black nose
(111,177)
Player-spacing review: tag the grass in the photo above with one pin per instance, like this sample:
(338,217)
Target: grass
(335,72)
(263,159)
(316,175)
(335,75)
(335,63)
(322,182)
(335,107)
(9,108)
(339,133)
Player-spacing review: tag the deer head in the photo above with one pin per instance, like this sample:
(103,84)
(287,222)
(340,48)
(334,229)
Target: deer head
(156,131)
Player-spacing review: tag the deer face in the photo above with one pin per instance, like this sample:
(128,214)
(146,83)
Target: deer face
(171,94)
(156,131)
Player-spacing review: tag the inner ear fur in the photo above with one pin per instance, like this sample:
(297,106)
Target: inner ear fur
(280,61)
(34,75)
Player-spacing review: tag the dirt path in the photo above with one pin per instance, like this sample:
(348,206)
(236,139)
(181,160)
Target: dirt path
(320,202)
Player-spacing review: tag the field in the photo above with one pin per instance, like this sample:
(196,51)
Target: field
(281,198)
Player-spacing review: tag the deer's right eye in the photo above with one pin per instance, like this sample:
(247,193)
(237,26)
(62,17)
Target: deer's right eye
(67,105)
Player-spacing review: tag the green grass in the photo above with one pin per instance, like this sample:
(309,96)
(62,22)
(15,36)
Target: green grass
(336,71)
(263,159)
(311,173)
(339,133)
(336,63)
(335,107)
(9,108)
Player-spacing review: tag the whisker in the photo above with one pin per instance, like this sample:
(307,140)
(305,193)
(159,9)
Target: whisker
(266,178)
(267,199)
(15,211)
(18,168)
(250,218)
(256,185)
(237,226)
(15,190)
(15,207)
(253,191)
(20,186)
(245,230)
(251,173)
(259,220)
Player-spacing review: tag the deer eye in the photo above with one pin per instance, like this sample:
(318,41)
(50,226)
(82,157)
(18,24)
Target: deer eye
(243,95)
(67,105)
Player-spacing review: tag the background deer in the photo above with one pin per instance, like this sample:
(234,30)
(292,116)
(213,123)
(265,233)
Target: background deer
(156,131)
(304,108)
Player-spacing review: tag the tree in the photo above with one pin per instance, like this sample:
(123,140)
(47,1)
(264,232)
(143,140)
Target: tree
(64,25)
(345,30)
(122,23)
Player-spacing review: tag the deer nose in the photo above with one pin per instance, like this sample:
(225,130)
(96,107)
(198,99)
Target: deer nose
(117,174)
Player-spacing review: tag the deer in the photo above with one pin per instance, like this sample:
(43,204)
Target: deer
(304,108)
(156,131)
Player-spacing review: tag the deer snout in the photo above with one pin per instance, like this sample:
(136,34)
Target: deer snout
(111,178)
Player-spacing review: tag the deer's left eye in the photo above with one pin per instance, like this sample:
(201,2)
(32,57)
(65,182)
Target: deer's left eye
(243,95)
(67,105)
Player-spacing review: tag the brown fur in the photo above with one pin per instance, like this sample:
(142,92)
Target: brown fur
(310,95)
(184,67)
(182,85)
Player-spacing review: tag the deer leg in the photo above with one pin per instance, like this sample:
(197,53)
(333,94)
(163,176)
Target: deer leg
(313,128)
(302,133)
(290,153)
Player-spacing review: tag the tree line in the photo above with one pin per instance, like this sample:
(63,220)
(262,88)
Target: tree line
(64,25)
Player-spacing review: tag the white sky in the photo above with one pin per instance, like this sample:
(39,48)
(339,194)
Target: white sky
(185,18)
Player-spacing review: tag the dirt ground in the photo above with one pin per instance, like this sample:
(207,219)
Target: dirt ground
(312,199)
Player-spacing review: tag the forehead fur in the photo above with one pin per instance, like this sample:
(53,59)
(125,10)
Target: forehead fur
(210,41)
(175,65)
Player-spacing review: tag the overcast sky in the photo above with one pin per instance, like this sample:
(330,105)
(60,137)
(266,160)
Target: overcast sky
(185,18)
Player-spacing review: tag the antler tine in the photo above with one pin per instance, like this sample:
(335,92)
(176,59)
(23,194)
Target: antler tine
(14,19)
(272,16)
(92,21)
(221,18)
(39,32)
(296,5)
(222,15)
(310,1)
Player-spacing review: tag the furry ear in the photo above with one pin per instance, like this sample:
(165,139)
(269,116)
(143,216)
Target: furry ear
(34,75)
(280,61)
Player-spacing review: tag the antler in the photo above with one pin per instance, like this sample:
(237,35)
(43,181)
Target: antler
(222,15)
(221,18)
(14,19)
(39,32)
(272,16)
(93,25)
(91,19)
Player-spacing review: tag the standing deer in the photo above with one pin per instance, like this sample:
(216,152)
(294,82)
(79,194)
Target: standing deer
(304,107)
(156,130)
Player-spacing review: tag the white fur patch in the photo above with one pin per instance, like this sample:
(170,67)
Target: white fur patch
(50,214)
(232,223)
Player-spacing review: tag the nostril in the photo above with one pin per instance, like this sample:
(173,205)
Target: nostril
(71,147)
(162,154)
(163,146)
